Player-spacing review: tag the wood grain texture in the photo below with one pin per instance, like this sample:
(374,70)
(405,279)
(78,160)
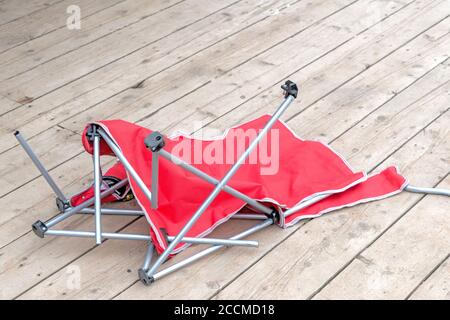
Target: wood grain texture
(40,22)
(396,263)
(374,84)
(437,286)
(40,50)
(114,82)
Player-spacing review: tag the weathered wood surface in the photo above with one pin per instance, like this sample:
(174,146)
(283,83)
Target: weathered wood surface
(375,84)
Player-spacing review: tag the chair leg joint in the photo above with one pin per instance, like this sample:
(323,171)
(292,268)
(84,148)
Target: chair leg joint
(143,276)
(39,228)
(274,215)
(62,205)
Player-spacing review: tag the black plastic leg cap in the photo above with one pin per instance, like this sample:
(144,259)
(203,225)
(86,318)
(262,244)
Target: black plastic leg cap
(154,141)
(62,205)
(39,228)
(143,276)
(290,89)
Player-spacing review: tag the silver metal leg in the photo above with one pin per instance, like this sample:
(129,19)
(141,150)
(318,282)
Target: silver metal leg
(148,256)
(40,167)
(217,242)
(129,212)
(91,234)
(130,236)
(97,183)
(305,204)
(155,173)
(220,185)
(114,212)
(435,191)
(409,188)
(249,216)
(146,279)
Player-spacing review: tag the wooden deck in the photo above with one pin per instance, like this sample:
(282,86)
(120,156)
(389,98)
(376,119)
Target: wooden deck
(375,84)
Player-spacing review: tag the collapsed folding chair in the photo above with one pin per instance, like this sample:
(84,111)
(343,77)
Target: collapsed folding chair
(186,187)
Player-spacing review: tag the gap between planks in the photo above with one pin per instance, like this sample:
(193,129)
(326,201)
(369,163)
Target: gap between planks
(157,73)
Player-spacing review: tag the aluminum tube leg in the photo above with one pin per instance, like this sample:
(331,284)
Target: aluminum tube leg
(217,242)
(97,183)
(435,191)
(129,212)
(249,216)
(147,260)
(148,280)
(221,185)
(125,163)
(148,256)
(305,204)
(130,236)
(252,202)
(40,167)
(155,173)
(90,234)
(118,212)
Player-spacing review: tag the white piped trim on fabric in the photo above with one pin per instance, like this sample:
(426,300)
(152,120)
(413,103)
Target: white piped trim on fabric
(310,216)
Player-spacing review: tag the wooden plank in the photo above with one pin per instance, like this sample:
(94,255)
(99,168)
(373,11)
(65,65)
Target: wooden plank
(329,243)
(233,261)
(116,77)
(320,80)
(261,92)
(44,21)
(228,76)
(52,45)
(69,67)
(12,10)
(213,284)
(7,105)
(9,121)
(437,286)
(402,257)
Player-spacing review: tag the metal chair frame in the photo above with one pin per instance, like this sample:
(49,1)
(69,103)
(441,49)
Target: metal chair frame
(149,272)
